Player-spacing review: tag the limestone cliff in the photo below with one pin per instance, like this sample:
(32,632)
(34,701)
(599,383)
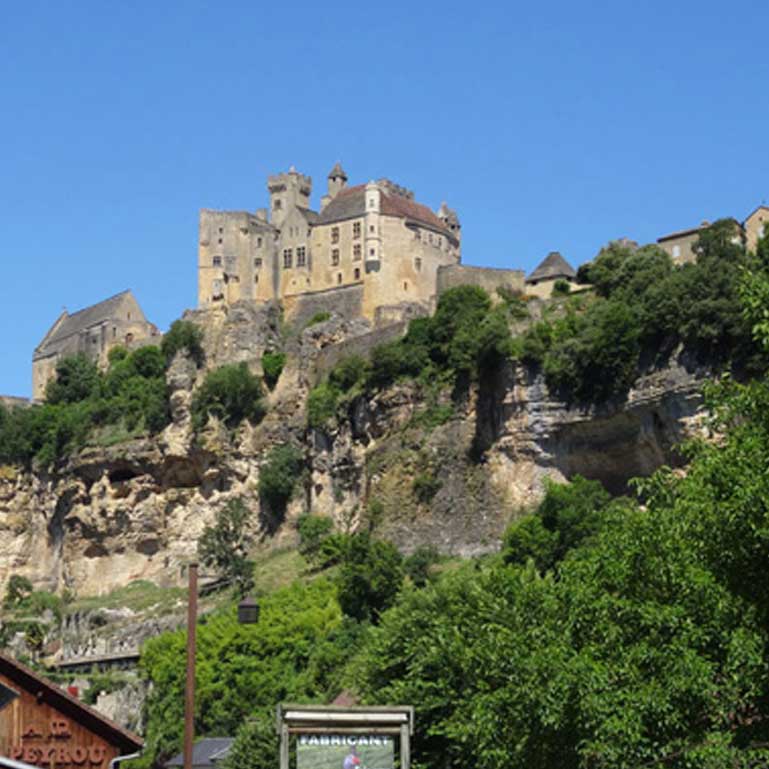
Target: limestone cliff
(135,510)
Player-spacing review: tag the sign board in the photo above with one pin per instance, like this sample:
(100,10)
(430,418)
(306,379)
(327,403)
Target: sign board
(345,751)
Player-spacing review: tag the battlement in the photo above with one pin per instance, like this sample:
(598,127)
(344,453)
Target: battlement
(391,188)
(290,179)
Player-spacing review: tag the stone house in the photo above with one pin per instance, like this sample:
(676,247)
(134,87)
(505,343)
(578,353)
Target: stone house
(551,269)
(372,251)
(755,226)
(93,331)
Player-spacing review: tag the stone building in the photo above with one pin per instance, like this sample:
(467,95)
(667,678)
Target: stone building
(551,269)
(374,240)
(93,331)
(680,245)
(755,226)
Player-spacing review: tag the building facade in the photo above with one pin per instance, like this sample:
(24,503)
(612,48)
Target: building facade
(92,331)
(373,236)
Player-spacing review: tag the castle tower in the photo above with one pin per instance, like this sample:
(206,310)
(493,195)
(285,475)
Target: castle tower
(373,231)
(288,191)
(449,217)
(337,181)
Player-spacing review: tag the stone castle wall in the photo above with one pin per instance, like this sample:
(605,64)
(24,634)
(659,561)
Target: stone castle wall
(487,278)
(346,301)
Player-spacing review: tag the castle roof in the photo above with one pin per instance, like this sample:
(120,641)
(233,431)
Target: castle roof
(337,172)
(66,325)
(551,267)
(350,203)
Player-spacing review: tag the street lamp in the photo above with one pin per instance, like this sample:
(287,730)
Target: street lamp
(248,611)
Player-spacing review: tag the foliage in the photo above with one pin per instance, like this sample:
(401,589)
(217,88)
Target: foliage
(17,591)
(567,516)
(256,744)
(279,475)
(131,396)
(425,486)
(272,366)
(224,545)
(561,287)
(232,394)
(313,529)
(184,335)
(77,379)
(370,577)
(319,317)
(244,670)
(418,566)
(321,405)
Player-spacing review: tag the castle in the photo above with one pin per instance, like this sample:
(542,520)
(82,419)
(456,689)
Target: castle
(372,251)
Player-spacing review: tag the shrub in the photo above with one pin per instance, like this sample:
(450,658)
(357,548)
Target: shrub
(231,393)
(426,486)
(77,379)
(418,565)
(278,477)
(272,366)
(561,287)
(321,405)
(370,577)
(319,317)
(185,335)
(224,545)
(313,529)
(349,372)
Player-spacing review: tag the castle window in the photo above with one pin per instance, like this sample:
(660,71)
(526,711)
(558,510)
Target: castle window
(301,256)
(676,252)
(417,234)
(371,203)
(356,251)
(371,228)
(287,258)
(339,277)
(430,238)
(335,234)
(356,229)
(418,264)
(256,278)
(357,273)
(258,262)
(220,241)
(277,205)
(405,286)
(335,256)
(372,252)
(217,261)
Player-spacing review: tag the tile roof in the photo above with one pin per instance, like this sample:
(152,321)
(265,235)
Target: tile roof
(205,752)
(351,202)
(64,702)
(552,266)
(83,319)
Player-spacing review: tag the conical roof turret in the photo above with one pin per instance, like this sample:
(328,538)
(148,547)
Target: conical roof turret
(337,172)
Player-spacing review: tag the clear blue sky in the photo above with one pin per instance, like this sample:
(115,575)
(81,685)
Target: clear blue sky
(547,126)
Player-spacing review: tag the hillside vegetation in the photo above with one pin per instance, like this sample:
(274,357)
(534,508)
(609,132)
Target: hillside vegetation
(627,632)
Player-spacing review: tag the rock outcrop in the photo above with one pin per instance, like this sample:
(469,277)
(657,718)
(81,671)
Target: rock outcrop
(135,510)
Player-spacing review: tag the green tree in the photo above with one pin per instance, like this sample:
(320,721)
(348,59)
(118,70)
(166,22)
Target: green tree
(224,545)
(232,394)
(272,366)
(370,577)
(184,335)
(77,379)
(278,477)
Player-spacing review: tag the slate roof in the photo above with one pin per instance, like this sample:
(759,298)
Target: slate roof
(351,203)
(310,215)
(81,320)
(63,701)
(337,170)
(205,752)
(551,267)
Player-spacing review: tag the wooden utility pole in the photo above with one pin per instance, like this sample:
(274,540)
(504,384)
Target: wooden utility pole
(189,689)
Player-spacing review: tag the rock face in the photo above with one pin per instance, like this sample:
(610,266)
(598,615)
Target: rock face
(415,470)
